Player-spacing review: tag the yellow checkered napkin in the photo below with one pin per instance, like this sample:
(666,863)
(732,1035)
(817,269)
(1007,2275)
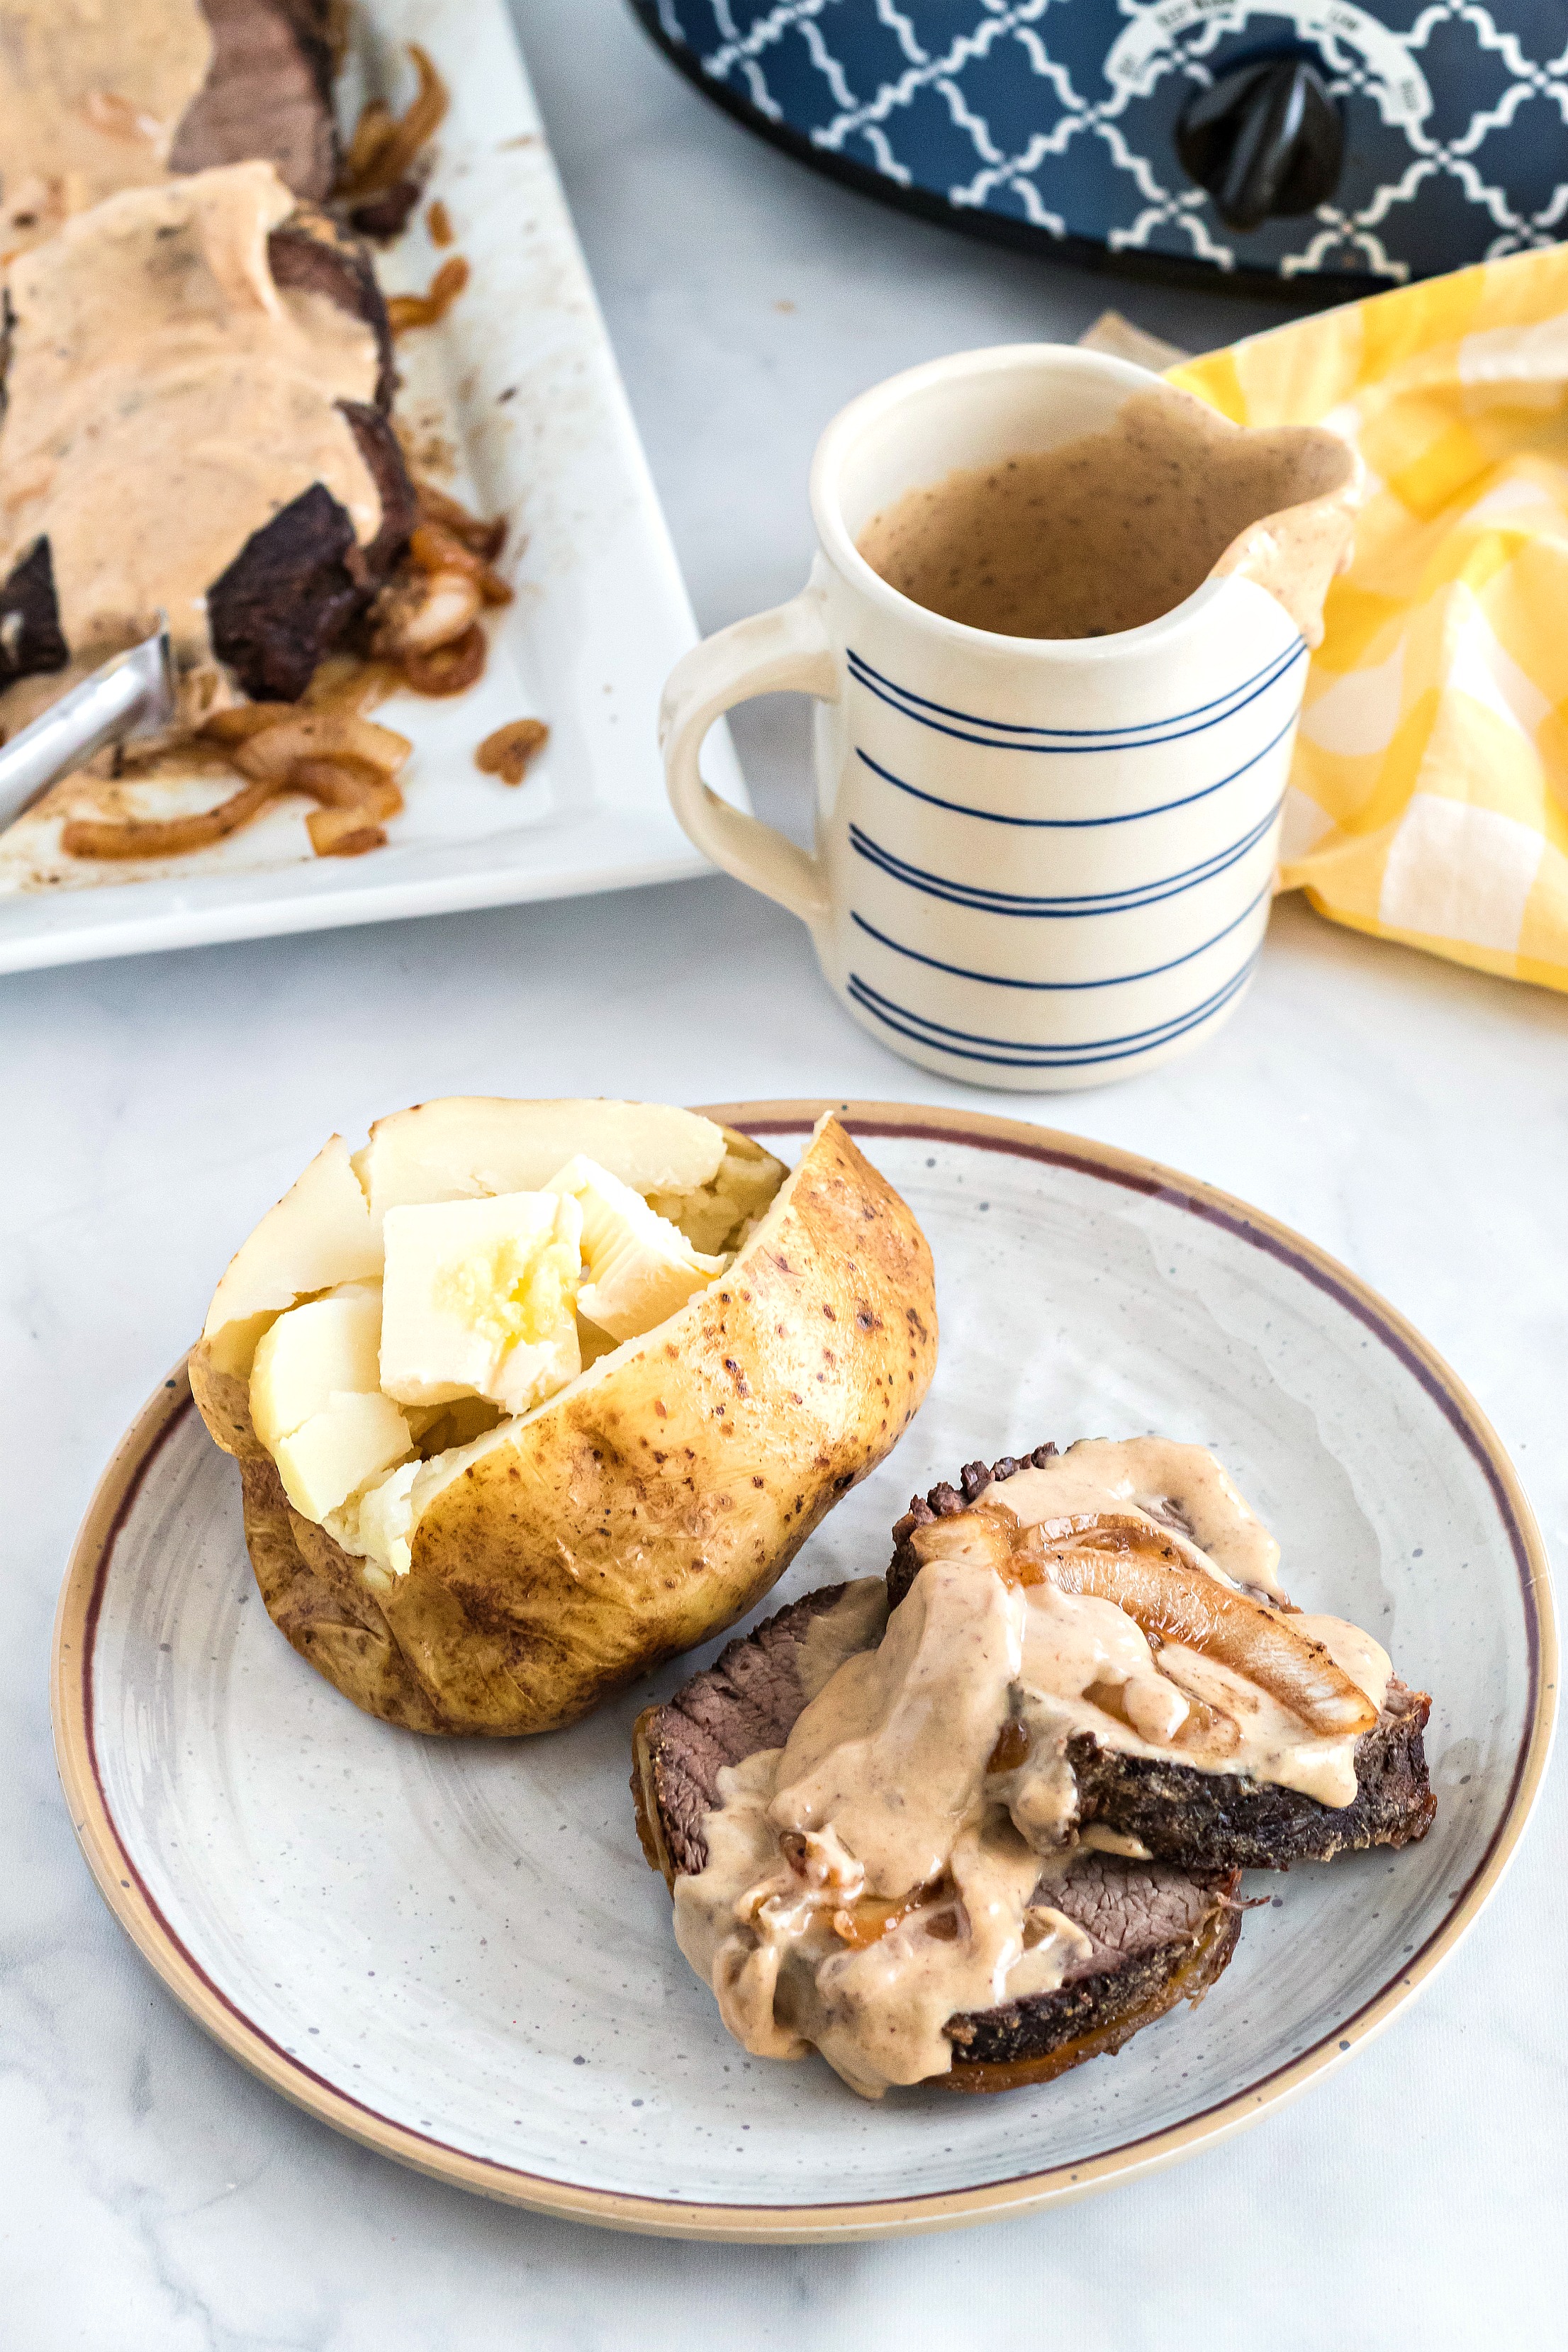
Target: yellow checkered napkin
(1428,800)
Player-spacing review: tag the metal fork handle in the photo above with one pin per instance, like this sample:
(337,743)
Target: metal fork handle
(132,695)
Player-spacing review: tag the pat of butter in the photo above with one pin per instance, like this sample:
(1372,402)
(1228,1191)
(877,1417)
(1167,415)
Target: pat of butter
(638,1268)
(351,1440)
(479,1300)
(310,1354)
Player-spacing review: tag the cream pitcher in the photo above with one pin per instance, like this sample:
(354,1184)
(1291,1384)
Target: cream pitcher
(1057,627)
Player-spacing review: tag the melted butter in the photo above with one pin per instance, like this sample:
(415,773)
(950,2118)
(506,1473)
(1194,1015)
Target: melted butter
(1179,1489)
(890,1867)
(91,94)
(166,398)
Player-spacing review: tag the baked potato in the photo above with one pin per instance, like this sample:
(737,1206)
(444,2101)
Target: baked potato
(527,1397)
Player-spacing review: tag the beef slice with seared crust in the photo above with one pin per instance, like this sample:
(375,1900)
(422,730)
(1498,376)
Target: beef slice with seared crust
(268,93)
(30,635)
(298,583)
(288,597)
(1158,1935)
(1217,1820)
(312,253)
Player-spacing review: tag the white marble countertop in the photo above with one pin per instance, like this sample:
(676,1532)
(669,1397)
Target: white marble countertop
(1410,1117)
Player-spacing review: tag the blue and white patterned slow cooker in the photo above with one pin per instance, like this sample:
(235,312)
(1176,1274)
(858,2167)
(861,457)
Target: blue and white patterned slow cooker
(1303,139)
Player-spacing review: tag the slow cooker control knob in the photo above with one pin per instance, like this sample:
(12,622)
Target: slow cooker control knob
(1265,140)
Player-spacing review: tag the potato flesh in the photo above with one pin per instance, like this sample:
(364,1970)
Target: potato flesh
(720,1214)
(472,1145)
(317,1236)
(384,1519)
(480,1299)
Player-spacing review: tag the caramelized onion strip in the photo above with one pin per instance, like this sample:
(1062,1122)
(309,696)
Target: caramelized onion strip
(438,550)
(343,832)
(320,735)
(448,670)
(348,682)
(486,539)
(427,310)
(438,613)
(872,1916)
(507,753)
(169,836)
(243,720)
(373,133)
(385,146)
(348,784)
(1121,1560)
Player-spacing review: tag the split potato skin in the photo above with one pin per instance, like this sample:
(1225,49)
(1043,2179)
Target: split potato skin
(647,1508)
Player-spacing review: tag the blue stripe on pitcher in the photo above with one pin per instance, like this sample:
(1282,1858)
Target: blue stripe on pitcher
(980,901)
(1075,823)
(1055,987)
(1004,1053)
(1004,735)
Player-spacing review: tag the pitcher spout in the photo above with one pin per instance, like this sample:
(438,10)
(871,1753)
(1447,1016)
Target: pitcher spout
(1304,485)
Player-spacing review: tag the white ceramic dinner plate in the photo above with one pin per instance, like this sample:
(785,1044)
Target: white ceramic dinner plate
(516,404)
(453,1949)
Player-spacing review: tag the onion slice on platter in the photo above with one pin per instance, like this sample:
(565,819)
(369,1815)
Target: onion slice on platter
(148,836)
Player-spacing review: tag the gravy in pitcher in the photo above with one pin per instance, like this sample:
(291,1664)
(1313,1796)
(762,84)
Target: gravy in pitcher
(1111,529)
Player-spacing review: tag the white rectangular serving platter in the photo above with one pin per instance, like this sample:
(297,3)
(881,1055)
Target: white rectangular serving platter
(518,392)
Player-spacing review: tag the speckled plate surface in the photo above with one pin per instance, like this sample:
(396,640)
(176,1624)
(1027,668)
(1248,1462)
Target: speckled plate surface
(454,1951)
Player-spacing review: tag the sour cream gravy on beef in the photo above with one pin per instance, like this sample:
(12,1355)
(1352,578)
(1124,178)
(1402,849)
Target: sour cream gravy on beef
(91,94)
(890,1866)
(166,398)
(1181,1489)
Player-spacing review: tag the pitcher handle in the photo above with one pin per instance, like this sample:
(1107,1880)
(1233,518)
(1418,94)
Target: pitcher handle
(785,651)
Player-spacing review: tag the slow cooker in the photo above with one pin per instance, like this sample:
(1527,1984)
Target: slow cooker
(1348,147)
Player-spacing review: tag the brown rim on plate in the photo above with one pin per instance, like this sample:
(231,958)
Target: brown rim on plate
(120,1883)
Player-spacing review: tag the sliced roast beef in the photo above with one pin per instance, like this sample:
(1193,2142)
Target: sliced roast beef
(312,253)
(298,583)
(1209,1821)
(30,637)
(1158,1935)
(296,586)
(268,93)
(382,454)
(288,597)
(746,1702)
(1217,1820)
